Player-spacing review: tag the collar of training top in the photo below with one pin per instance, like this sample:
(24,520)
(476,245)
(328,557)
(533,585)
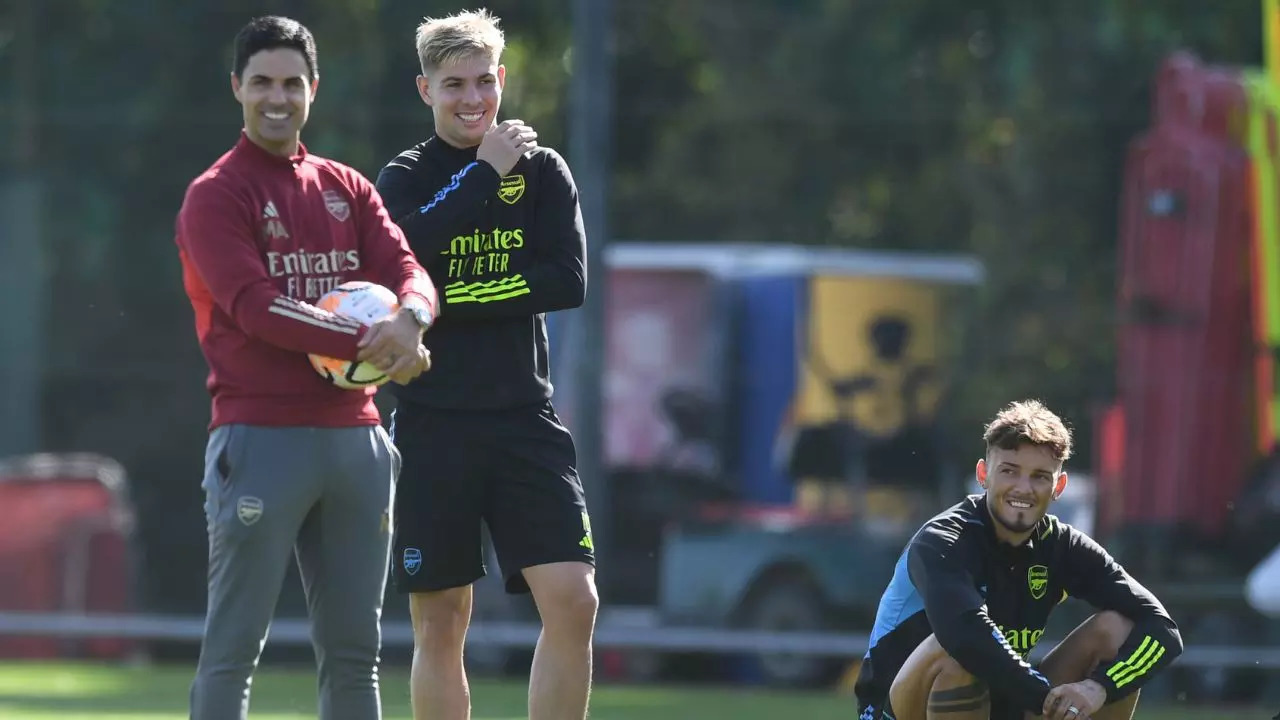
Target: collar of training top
(450,151)
(250,149)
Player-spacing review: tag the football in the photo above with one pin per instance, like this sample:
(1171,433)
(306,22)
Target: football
(363,301)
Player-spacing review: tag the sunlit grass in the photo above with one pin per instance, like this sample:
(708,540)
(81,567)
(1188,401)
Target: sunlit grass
(60,691)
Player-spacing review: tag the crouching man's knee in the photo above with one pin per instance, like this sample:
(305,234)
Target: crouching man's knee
(932,679)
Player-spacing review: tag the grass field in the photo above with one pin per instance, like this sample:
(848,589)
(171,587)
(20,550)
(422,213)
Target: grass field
(34,691)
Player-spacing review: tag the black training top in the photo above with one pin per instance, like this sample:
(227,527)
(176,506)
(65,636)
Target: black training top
(504,251)
(987,603)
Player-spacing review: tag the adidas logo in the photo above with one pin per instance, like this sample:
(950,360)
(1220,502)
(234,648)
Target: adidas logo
(272,227)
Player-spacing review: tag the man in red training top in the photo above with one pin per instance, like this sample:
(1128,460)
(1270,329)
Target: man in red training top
(293,464)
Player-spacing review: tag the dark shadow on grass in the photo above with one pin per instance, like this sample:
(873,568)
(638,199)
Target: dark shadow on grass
(145,704)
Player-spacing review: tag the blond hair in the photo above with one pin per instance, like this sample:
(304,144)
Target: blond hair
(1029,422)
(441,41)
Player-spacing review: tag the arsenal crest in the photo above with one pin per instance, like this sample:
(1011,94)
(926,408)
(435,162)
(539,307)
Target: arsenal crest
(249,509)
(412,560)
(1037,580)
(337,205)
(511,189)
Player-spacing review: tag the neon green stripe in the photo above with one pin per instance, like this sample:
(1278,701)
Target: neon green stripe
(1138,672)
(1133,659)
(1262,98)
(1133,663)
(504,296)
(1270,10)
(486,298)
(471,287)
(497,288)
(478,291)
(490,291)
(1142,659)
(1260,154)
(487,283)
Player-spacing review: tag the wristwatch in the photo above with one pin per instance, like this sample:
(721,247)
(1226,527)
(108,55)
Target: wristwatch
(420,314)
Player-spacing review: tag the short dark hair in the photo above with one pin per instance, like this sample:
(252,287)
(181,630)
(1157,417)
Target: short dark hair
(1029,422)
(272,32)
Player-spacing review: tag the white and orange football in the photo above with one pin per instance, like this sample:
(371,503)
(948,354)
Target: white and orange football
(367,303)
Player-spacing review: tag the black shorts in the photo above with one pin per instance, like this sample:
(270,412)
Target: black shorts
(513,469)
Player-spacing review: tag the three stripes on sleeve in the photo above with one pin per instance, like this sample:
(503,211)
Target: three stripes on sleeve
(294,310)
(483,292)
(1137,664)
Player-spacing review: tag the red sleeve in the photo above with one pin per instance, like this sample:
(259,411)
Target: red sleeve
(216,236)
(390,258)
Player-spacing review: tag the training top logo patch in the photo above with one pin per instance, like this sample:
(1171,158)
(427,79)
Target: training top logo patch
(1038,580)
(412,560)
(249,509)
(337,205)
(511,189)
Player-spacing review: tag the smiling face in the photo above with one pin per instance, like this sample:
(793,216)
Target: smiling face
(464,96)
(1020,485)
(275,91)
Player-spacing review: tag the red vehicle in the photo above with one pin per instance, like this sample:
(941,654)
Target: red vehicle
(1181,451)
(64,547)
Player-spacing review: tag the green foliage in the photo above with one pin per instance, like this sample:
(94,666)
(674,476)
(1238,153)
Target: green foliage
(992,127)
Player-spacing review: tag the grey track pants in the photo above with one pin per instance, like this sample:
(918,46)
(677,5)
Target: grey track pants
(323,494)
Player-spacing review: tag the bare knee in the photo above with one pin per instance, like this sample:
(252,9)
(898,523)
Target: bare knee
(930,664)
(1107,632)
(440,618)
(930,669)
(1096,640)
(949,672)
(566,597)
(946,672)
(931,655)
(573,610)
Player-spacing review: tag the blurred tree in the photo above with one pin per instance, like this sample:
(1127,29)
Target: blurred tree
(1042,166)
(995,127)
